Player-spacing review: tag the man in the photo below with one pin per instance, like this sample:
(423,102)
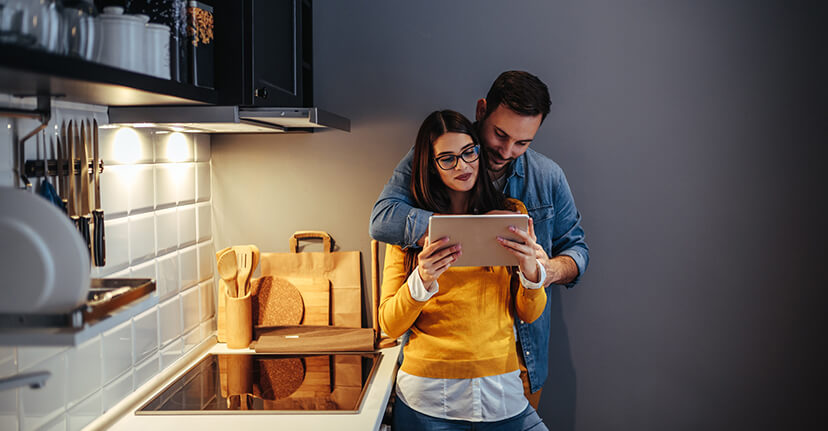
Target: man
(507,121)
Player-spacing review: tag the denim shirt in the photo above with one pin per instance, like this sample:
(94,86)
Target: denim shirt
(541,185)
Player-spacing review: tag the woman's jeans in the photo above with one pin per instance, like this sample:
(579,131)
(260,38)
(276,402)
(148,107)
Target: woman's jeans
(405,418)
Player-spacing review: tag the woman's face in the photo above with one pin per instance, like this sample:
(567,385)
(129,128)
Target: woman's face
(448,150)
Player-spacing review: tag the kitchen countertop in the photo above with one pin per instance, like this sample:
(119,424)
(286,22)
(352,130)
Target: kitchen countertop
(122,416)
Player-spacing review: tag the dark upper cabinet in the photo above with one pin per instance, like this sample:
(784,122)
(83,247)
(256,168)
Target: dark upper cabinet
(263,52)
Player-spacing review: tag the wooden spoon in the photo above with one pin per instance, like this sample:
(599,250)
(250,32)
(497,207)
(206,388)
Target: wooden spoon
(227,270)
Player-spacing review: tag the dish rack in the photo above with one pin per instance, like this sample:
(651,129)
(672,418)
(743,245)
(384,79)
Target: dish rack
(105,296)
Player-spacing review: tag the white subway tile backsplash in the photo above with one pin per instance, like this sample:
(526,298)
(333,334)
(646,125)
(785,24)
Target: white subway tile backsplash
(203,182)
(208,299)
(117,351)
(84,412)
(166,229)
(208,328)
(8,361)
(141,237)
(169,280)
(166,183)
(40,406)
(170,320)
(145,326)
(8,410)
(190,303)
(84,368)
(188,260)
(145,370)
(145,270)
(8,398)
(205,228)
(115,185)
(186,225)
(206,259)
(156,198)
(171,353)
(185,176)
(28,356)
(117,244)
(192,339)
(116,391)
(56,424)
(142,189)
(202,148)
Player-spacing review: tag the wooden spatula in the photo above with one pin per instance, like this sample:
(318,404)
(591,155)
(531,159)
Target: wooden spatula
(244,263)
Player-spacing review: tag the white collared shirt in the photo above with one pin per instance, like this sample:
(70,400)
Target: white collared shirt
(479,399)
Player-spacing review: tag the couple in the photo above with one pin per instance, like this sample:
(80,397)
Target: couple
(477,351)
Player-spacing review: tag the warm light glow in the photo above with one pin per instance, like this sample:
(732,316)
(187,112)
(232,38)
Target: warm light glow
(177,148)
(127,145)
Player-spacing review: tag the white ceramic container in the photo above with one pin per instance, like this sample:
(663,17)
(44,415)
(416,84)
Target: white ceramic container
(122,39)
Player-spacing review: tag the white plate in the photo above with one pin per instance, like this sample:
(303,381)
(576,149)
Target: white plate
(44,263)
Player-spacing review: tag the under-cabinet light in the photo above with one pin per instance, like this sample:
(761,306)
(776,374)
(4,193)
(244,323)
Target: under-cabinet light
(127,145)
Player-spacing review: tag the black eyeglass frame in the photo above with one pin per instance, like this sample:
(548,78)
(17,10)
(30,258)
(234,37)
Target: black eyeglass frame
(456,157)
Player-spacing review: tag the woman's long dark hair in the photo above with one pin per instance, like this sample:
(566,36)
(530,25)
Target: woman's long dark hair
(426,185)
(428,189)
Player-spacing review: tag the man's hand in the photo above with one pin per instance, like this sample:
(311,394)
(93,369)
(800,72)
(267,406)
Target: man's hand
(559,269)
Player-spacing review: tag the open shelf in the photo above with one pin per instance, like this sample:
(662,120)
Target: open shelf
(26,72)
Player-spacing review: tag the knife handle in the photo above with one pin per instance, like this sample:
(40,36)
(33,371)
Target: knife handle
(83,228)
(99,242)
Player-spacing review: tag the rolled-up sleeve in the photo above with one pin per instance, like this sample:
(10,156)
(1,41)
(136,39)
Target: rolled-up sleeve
(394,219)
(568,235)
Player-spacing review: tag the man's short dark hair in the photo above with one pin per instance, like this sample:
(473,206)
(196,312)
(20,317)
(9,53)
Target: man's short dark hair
(519,91)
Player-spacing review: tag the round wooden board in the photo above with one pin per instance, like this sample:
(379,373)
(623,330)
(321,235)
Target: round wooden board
(278,303)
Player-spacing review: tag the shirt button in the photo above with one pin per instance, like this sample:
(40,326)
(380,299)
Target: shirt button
(522,322)
(527,352)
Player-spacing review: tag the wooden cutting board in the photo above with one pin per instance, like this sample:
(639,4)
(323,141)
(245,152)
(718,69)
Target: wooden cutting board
(312,339)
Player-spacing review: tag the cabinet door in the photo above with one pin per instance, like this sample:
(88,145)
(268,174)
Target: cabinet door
(276,52)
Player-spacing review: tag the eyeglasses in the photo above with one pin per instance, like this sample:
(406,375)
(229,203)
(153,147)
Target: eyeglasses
(449,161)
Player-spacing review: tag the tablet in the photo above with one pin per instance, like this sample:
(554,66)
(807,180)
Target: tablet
(478,236)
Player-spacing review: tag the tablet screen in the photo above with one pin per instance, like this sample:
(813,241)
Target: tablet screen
(478,236)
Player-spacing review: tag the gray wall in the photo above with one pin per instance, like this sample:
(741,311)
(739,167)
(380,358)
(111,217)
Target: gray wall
(687,132)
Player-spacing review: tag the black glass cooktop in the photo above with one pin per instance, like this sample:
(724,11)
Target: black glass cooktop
(244,383)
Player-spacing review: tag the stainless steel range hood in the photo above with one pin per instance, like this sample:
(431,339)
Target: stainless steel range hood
(228,119)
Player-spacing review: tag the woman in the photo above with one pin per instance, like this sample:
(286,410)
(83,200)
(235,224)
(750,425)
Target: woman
(460,364)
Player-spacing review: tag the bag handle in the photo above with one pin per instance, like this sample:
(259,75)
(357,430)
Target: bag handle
(327,241)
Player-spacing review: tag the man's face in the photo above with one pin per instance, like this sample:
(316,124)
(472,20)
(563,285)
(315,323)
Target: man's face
(506,135)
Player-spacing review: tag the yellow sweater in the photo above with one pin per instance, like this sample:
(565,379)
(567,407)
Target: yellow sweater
(465,330)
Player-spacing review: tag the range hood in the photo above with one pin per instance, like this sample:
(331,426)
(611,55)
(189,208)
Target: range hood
(227,119)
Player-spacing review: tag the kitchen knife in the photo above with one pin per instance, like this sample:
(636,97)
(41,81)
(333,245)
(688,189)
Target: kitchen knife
(62,175)
(72,177)
(85,212)
(99,240)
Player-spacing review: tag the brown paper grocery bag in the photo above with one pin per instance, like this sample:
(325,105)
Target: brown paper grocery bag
(341,268)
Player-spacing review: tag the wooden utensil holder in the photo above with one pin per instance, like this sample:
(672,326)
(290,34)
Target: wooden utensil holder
(239,318)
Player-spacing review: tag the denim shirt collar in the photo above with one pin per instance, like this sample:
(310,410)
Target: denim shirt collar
(517,167)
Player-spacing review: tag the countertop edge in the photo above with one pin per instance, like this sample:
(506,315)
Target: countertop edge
(122,417)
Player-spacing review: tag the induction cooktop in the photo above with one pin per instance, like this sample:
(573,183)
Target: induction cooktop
(268,384)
